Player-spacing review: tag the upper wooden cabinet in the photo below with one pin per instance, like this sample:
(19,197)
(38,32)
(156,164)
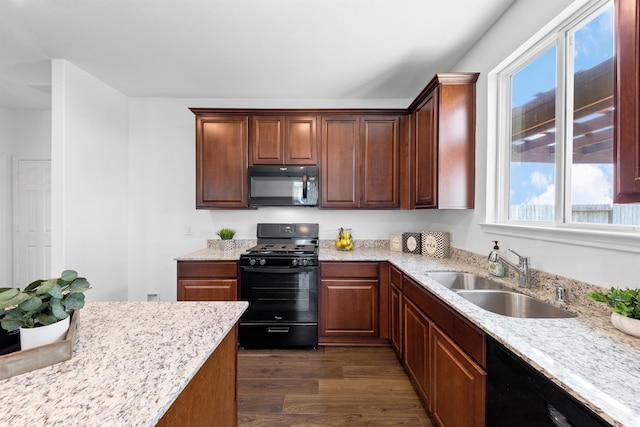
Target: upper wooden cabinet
(380,144)
(339,177)
(627,102)
(442,149)
(360,161)
(221,161)
(424,145)
(283,140)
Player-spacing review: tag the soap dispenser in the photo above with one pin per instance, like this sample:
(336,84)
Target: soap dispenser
(496,268)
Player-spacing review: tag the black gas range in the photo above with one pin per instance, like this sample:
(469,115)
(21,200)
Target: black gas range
(279,279)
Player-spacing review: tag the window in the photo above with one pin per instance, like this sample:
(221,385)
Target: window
(556,110)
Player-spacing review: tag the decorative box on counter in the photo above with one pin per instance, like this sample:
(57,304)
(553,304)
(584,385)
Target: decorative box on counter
(395,242)
(411,243)
(436,244)
(22,361)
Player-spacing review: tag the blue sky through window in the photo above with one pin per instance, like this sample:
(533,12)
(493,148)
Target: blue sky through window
(534,183)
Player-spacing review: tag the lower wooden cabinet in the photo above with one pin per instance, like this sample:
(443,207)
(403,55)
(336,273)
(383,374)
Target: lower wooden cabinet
(416,347)
(349,303)
(457,382)
(396,311)
(207,280)
(444,354)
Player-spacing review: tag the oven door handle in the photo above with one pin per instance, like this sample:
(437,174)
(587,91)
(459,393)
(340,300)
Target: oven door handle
(279,270)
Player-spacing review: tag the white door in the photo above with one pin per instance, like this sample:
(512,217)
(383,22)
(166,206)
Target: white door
(32,221)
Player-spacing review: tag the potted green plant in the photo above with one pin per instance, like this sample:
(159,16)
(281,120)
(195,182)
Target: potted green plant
(226,234)
(43,307)
(626,308)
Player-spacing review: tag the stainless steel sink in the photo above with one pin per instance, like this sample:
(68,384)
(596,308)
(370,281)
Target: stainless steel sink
(455,280)
(513,304)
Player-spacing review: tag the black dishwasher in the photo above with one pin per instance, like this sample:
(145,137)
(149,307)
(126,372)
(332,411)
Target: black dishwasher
(518,395)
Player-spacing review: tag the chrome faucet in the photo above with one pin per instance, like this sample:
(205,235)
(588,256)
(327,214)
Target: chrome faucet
(522,268)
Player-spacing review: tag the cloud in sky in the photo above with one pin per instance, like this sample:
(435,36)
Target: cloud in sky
(590,185)
(547,197)
(539,180)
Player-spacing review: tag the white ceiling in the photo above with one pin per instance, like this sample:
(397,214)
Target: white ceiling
(288,49)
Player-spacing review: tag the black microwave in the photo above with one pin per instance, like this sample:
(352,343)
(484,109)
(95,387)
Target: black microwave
(283,186)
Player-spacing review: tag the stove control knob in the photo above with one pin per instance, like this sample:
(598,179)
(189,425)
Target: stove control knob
(294,262)
(252,261)
(305,262)
(263,261)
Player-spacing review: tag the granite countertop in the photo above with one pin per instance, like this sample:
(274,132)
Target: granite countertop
(130,362)
(586,356)
(212,254)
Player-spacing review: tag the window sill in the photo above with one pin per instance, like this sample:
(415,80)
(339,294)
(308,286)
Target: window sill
(627,241)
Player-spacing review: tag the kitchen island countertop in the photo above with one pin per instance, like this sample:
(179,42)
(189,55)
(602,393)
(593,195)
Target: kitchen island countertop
(130,362)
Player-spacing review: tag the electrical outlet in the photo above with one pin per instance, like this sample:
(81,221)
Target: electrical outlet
(153,297)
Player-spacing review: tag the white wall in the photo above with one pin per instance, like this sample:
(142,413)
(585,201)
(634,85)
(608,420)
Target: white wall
(30,133)
(89,180)
(125,203)
(5,198)
(162,183)
(162,194)
(598,266)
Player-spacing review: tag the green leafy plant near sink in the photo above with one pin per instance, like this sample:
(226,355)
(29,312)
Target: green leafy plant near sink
(625,302)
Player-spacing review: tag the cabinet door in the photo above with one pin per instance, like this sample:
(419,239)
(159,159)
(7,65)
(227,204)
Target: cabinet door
(424,170)
(207,280)
(627,108)
(340,177)
(267,140)
(395,311)
(301,147)
(348,307)
(458,384)
(416,347)
(380,148)
(207,290)
(456,127)
(221,161)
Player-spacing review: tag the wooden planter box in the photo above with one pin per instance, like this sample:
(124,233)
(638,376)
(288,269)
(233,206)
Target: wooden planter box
(19,362)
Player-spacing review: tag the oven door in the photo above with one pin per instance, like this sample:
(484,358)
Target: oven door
(280,294)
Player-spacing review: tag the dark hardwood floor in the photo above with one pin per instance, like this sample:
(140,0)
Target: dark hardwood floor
(330,386)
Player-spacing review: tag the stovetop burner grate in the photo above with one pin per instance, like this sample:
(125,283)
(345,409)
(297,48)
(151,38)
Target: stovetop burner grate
(287,248)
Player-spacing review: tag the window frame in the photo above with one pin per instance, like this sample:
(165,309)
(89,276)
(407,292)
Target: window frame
(558,33)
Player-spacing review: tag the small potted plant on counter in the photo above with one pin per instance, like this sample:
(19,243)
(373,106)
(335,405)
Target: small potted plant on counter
(42,310)
(226,234)
(626,308)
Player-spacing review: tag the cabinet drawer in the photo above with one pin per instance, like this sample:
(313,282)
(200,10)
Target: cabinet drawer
(396,278)
(349,269)
(208,269)
(467,336)
(208,290)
